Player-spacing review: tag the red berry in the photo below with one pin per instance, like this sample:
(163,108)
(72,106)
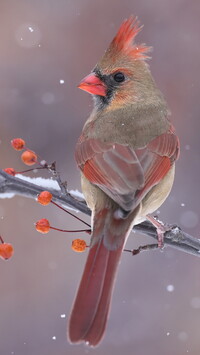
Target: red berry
(10,171)
(6,251)
(29,157)
(18,143)
(44,198)
(79,245)
(42,226)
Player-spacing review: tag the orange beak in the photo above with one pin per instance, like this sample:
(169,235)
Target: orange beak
(92,84)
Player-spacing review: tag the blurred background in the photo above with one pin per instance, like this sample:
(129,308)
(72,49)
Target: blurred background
(46,48)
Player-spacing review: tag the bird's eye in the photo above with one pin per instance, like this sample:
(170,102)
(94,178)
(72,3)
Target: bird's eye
(119,77)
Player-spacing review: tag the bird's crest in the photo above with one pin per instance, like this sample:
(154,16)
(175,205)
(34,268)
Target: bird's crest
(124,40)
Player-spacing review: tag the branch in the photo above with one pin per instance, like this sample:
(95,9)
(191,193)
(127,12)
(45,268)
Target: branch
(174,237)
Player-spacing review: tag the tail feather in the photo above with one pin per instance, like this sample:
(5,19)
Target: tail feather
(89,293)
(96,332)
(91,307)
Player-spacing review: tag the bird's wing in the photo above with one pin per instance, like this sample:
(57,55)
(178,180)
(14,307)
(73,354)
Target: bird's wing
(125,174)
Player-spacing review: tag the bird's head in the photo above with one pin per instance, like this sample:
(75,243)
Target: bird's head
(122,75)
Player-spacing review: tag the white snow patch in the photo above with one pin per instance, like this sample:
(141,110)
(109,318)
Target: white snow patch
(40,181)
(7,195)
(45,183)
(76,193)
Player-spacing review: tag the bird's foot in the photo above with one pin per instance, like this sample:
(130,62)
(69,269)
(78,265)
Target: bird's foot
(160,228)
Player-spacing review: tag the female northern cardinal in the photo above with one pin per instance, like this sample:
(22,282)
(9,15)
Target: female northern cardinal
(126,155)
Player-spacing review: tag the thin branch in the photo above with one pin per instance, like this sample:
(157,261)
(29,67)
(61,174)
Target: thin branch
(174,237)
(12,184)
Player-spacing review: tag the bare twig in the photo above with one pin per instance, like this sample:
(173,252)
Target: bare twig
(174,236)
(63,185)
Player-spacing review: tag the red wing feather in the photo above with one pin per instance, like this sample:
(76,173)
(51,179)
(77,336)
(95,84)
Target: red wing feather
(125,174)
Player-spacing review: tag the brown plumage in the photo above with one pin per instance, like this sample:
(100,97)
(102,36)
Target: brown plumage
(126,155)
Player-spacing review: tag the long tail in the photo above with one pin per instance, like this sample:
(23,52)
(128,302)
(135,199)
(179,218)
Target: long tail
(91,307)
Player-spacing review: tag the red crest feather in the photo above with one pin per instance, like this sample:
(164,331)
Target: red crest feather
(124,39)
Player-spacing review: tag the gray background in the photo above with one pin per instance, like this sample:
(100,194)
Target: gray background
(39,283)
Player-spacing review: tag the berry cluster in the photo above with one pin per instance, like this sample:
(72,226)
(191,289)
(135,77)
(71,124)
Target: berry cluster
(30,158)
(43,226)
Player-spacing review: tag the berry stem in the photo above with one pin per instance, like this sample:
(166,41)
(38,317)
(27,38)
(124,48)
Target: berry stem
(26,171)
(71,214)
(1,239)
(72,231)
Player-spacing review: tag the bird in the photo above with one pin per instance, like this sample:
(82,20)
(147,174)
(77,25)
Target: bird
(126,154)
